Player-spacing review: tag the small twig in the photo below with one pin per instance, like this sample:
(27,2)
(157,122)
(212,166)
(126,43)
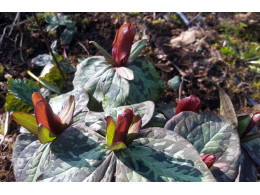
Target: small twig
(195,18)
(21,46)
(84,48)
(15,40)
(48,46)
(183,74)
(180,88)
(17,18)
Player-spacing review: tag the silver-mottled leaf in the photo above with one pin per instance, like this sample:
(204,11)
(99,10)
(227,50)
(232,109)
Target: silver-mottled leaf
(161,155)
(210,133)
(248,172)
(253,147)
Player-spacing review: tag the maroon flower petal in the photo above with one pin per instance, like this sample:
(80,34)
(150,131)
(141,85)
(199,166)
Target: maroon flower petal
(190,103)
(208,159)
(122,44)
(124,121)
(45,116)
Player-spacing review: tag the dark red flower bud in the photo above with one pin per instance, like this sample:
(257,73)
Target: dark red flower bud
(208,159)
(190,103)
(254,121)
(122,44)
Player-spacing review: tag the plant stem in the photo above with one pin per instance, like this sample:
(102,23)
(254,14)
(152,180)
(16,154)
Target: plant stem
(48,46)
(250,137)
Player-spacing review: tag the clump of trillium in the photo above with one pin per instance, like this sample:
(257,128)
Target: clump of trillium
(119,135)
(45,124)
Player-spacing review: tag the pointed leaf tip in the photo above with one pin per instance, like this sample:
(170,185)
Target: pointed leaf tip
(111,127)
(26,120)
(66,114)
(36,97)
(44,135)
(45,116)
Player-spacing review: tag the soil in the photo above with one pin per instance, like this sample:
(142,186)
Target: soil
(200,62)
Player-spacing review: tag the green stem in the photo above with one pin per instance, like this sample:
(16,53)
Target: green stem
(48,46)
(249,137)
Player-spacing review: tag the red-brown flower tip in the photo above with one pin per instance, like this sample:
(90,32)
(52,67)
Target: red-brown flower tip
(190,103)
(208,159)
(36,97)
(253,122)
(45,116)
(124,121)
(122,44)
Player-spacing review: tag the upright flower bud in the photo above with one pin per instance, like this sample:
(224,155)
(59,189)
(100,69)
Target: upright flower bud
(208,159)
(254,121)
(190,103)
(122,44)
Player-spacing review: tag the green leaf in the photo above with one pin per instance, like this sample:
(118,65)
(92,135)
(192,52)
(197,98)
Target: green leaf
(136,49)
(44,135)
(107,56)
(53,77)
(80,154)
(67,35)
(174,82)
(227,51)
(160,155)
(253,146)
(44,83)
(147,84)
(248,171)
(125,72)
(243,122)
(118,146)
(226,106)
(96,120)
(67,112)
(110,130)
(23,89)
(101,82)
(42,60)
(26,120)
(13,104)
(210,134)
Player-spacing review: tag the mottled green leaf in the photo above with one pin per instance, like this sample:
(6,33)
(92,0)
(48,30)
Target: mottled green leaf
(81,100)
(160,155)
(253,147)
(42,60)
(137,47)
(53,77)
(96,120)
(23,89)
(248,171)
(67,35)
(101,81)
(147,84)
(12,104)
(125,72)
(210,134)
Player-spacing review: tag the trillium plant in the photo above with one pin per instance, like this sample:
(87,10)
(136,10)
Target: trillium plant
(122,77)
(45,124)
(109,128)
